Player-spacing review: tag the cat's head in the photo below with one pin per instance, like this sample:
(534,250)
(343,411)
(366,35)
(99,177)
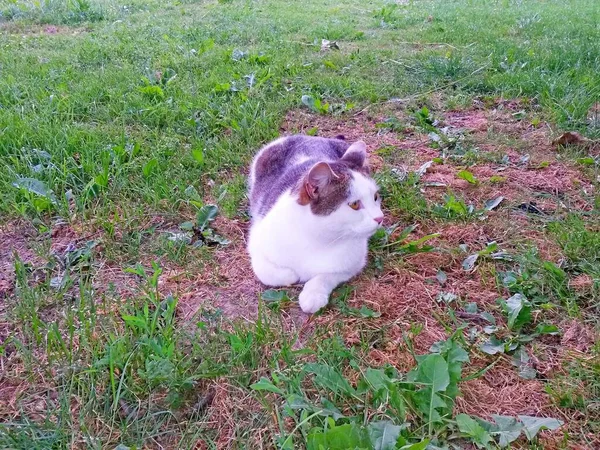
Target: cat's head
(343,193)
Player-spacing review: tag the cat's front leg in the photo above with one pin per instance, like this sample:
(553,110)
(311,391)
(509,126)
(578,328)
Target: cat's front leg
(317,290)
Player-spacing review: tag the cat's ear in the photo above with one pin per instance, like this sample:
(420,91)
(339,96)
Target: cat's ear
(356,154)
(319,176)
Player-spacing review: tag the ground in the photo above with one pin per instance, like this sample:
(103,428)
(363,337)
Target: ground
(129,314)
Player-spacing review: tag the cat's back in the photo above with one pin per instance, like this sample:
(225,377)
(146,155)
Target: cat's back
(280,165)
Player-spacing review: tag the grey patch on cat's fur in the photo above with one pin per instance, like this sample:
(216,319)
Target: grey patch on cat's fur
(332,195)
(285,164)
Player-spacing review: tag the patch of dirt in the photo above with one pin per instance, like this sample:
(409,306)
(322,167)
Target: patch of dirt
(578,337)
(406,291)
(17,28)
(365,127)
(15,239)
(518,396)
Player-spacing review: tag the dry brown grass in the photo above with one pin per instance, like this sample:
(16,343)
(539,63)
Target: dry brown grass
(404,293)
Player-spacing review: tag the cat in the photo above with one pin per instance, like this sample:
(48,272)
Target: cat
(313,208)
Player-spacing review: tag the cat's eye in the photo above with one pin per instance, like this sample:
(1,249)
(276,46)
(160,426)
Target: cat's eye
(355,205)
(376,197)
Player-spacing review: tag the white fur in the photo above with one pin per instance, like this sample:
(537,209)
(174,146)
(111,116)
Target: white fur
(292,245)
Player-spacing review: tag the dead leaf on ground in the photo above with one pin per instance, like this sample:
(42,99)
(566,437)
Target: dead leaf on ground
(570,138)
(326,45)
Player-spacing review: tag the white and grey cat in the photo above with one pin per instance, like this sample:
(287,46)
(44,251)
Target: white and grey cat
(313,207)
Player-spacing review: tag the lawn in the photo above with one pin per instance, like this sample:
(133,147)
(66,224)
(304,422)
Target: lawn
(129,315)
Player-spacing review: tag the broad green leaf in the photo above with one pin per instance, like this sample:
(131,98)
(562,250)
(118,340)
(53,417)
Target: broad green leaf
(428,403)
(493,346)
(384,390)
(434,372)
(264,384)
(471,428)
(520,360)
(153,92)
(192,193)
(406,232)
(490,248)
(309,101)
(135,322)
(343,437)
(365,312)
(377,379)
(274,296)
(328,377)
(518,310)
(158,370)
(533,425)
(198,155)
(457,354)
(468,176)
(456,206)
(383,435)
(329,409)
(149,167)
(187,226)
(35,187)
(544,328)
(558,273)
(507,429)
(587,161)
(418,446)
(295,401)
(285,441)
(206,215)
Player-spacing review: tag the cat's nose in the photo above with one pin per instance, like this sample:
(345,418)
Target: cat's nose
(378,219)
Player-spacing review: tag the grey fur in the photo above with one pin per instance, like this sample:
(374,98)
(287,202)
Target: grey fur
(283,166)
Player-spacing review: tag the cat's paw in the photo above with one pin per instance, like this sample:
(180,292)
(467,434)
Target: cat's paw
(312,300)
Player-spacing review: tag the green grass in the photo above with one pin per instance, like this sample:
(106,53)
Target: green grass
(94,104)
(123,119)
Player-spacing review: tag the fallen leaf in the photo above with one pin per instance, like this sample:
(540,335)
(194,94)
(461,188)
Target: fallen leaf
(441,277)
(469,262)
(446,297)
(570,138)
(326,45)
(423,169)
(493,203)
